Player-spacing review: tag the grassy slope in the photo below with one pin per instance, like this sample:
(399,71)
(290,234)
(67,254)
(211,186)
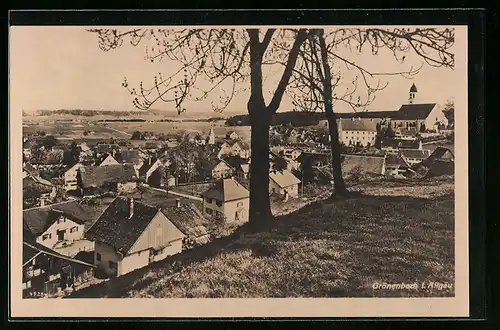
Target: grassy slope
(326,249)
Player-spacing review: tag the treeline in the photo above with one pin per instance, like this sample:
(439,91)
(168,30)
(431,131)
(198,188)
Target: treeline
(88,113)
(282,118)
(123,120)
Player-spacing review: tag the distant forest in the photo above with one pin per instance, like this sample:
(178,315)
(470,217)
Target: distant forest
(297,118)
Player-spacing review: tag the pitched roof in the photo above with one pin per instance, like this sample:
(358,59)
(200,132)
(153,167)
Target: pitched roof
(96,176)
(30,169)
(37,220)
(412,131)
(415,153)
(443,153)
(284,179)
(440,162)
(36,248)
(235,161)
(226,190)
(128,157)
(398,143)
(367,164)
(358,125)
(243,145)
(187,218)
(414,111)
(116,228)
(396,161)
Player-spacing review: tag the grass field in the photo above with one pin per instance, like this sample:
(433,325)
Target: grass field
(68,130)
(391,234)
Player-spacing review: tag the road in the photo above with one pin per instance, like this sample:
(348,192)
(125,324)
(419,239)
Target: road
(179,194)
(116,130)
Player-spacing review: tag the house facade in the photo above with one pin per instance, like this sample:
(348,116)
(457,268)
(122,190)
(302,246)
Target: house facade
(221,170)
(70,182)
(357,131)
(413,156)
(47,273)
(284,183)
(229,199)
(130,235)
(109,160)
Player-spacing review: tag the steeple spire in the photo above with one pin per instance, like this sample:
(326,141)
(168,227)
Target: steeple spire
(413,94)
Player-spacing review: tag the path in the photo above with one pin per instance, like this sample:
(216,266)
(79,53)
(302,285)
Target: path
(116,130)
(178,194)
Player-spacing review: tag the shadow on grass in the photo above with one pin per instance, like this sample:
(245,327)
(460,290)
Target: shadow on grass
(391,238)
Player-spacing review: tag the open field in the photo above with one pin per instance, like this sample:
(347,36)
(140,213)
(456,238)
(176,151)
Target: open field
(70,130)
(169,127)
(339,248)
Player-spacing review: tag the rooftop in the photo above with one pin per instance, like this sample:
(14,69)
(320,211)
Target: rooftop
(414,111)
(284,179)
(226,190)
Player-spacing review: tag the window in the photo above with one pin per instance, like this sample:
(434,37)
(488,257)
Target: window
(208,211)
(98,256)
(209,200)
(46,236)
(73,229)
(112,265)
(239,204)
(219,203)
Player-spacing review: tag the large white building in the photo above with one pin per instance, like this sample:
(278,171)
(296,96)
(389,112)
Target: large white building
(227,198)
(357,131)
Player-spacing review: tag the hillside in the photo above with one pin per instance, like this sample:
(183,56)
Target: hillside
(396,231)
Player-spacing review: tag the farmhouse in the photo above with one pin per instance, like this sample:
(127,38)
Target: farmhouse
(150,171)
(284,183)
(232,135)
(440,162)
(130,235)
(227,198)
(413,156)
(362,164)
(408,134)
(51,225)
(47,273)
(189,220)
(116,178)
(396,164)
(239,166)
(357,131)
(234,148)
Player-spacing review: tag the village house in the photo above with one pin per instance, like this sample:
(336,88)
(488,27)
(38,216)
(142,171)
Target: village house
(392,145)
(227,198)
(357,131)
(112,178)
(408,134)
(232,135)
(220,169)
(130,235)
(150,166)
(70,182)
(234,148)
(363,164)
(47,273)
(36,190)
(440,162)
(240,166)
(108,160)
(284,183)
(189,219)
(52,225)
(290,153)
(396,165)
(413,156)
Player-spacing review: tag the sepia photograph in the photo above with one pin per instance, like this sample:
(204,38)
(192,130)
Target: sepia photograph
(197,167)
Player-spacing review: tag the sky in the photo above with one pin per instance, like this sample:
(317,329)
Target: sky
(63,68)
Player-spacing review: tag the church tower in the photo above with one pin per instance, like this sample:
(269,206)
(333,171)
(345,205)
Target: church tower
(211,136)
(413,94)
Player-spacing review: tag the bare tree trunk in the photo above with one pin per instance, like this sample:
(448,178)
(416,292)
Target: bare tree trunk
(260,206)
(338,180)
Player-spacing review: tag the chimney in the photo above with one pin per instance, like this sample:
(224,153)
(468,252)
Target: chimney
(131,214)
(114,153)
(149,161)
(42,201)
(178,202)
(286,196)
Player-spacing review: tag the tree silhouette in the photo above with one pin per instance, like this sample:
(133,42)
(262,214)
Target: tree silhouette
(226,58)
(320,67)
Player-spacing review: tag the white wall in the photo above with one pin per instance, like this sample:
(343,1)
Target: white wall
(174,248)
(293,190)
(108,254)
(127,187)
(70,177)
(133,261)
(363,137)
(229,208)
(65,224)
(109,161)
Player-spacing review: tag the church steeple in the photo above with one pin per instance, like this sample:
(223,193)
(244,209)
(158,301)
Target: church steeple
(211,136)
(413,94)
